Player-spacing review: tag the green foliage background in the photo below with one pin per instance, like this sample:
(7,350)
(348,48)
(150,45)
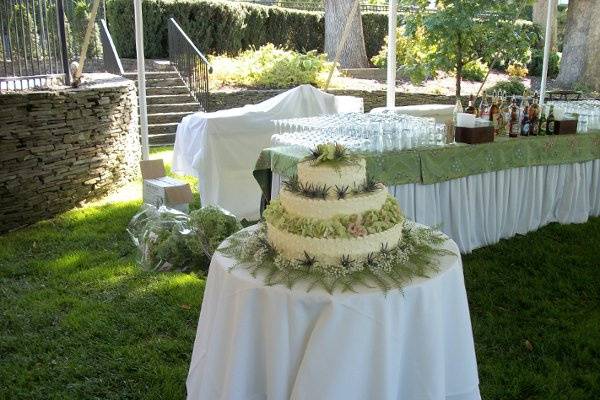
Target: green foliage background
(222,27)
(270,67)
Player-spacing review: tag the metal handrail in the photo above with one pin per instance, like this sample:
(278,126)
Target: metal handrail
(190,63)
(112,61)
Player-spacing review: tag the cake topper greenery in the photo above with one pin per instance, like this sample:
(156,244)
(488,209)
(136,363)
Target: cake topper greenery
(388,268)
(331,154)
(312,191)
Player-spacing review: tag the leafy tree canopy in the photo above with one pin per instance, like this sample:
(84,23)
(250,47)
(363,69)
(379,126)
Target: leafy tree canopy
(466,30)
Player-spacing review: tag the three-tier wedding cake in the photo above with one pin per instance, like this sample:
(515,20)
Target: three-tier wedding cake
(331,215)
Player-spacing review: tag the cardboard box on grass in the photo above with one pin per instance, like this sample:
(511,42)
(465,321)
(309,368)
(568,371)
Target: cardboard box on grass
(163,190)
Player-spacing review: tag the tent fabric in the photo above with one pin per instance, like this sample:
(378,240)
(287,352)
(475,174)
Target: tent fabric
(221,148)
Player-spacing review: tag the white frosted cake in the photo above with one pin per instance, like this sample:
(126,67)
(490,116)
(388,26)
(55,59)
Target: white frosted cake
(331,214)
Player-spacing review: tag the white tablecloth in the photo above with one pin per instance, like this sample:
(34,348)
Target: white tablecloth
(221,147)
(258,342)
(479,210)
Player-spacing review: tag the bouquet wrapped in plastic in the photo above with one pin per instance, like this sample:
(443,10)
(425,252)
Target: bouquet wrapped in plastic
(168,239)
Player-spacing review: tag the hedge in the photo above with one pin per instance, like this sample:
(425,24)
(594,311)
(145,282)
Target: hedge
(218,27)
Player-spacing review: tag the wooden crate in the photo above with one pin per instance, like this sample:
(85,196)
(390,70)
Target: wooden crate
(565,127)
(483,134)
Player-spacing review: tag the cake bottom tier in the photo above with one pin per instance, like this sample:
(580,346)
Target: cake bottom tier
(331,251)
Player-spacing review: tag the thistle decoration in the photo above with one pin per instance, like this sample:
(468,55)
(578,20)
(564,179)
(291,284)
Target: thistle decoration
(346,262)
(307,261)
(333,154)
(292,184)
(342,192)
(371,185)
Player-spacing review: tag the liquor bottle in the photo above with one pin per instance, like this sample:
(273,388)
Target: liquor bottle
(534,115)
(550,121)
(513,120)
(483,108)
(525,124)
(471,107)
(494,115)
(503,118)
(542,122)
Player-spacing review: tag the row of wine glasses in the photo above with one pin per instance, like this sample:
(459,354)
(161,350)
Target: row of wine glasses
(587,113)
(385,131)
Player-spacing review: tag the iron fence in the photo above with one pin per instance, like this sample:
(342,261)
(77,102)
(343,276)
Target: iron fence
(190,63)
(39,38)
(30,42)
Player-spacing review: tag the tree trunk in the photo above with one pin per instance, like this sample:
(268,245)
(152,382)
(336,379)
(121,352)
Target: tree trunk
(540,12)
(353,54)
(581,45)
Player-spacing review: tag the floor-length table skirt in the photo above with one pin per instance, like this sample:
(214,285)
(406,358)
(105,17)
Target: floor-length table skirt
(479,210)
(269,342)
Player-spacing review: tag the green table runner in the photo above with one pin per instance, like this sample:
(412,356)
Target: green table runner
(432,165)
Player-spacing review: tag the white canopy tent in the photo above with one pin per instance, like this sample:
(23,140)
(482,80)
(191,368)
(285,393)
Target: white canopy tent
(391,56)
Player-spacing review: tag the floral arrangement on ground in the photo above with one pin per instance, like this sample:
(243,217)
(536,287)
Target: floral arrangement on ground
(389,268)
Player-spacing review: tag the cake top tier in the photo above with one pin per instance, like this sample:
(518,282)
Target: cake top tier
(330,165)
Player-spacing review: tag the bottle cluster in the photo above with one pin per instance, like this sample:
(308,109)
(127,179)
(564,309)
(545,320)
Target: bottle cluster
(512,118)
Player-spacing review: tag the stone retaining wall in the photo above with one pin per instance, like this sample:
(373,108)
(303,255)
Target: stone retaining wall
(223,100)
(59,148)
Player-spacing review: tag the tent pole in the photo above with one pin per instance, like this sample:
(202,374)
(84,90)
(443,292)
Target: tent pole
(547,40)
(141,73)
(391,56)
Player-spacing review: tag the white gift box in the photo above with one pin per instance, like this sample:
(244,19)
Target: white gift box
(159,189)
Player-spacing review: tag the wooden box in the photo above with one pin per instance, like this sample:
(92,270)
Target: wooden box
(482,134)
(565,127)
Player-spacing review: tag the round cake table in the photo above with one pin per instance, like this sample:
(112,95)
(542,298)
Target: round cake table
(269,342)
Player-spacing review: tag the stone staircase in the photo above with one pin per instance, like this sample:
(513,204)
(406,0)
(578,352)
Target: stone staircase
(167,97)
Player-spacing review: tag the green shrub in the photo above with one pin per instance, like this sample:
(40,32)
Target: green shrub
(224,27)
(411,55)
(513,86)
(271,67)
(475,71)
(537,62)
(375,30)
(517,70)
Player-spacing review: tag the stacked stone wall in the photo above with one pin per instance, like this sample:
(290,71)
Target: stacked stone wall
(60,148)
(221,100)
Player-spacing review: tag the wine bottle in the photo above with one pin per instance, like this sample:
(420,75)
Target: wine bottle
(550,121)
(493,115)
(513,120)
(542,122)
(525,124)
(534,115)
(484,108)
(471,107)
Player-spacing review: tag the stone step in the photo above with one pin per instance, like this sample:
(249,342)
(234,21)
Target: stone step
(153,91)
(130,65)
(169,99)
(165,118)
(152,75)
(161,139)
(173,107)
(162,82)
(161,129)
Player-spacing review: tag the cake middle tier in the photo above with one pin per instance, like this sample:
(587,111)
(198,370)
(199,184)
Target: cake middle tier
(353,174)
(330,251)
(327,208)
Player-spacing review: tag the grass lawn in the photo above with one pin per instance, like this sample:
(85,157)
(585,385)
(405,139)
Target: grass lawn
(80,320)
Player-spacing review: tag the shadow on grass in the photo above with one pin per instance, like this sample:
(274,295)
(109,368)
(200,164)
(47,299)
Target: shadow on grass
(81,320)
